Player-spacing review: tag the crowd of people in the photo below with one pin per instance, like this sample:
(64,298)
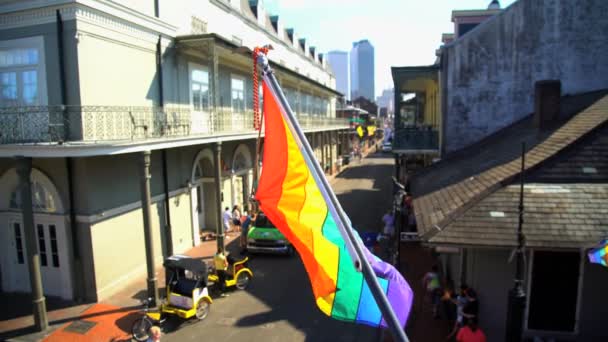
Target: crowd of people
(462,307)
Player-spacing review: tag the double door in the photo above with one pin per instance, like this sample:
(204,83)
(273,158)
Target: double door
(50,240)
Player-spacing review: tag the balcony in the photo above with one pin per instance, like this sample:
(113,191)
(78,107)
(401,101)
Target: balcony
(97,124)
(416,140)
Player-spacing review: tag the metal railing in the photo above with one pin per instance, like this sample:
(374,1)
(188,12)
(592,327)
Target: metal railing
(416,139)
(59,124)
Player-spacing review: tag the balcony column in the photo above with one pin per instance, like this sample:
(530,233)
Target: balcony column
(232,189)
(214,86)
(219,232)
(332,135)
(323,151)
(147,218)
(345,147)
(397,114)
(249,188)
(24,170)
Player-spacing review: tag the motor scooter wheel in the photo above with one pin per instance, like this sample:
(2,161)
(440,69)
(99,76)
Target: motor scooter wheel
(242,280)
(202,309)
(141,329)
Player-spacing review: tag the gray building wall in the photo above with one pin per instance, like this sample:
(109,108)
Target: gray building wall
(491,275)
(491,71)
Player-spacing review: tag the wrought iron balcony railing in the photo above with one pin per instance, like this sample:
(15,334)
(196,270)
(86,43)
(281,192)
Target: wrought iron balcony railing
(416,139)
(58,124)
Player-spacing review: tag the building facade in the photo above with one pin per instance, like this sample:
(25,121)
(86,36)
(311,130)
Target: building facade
(338,61)
(96,94)
(362,72)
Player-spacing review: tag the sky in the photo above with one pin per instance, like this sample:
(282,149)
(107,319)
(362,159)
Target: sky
(403,32)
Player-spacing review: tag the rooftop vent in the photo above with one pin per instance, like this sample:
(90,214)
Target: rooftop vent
(494,5)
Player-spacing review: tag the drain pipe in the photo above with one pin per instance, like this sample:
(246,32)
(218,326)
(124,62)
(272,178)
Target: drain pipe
(161,103)
(69,162)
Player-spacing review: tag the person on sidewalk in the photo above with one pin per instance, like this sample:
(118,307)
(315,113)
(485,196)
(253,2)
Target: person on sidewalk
(154,334)
(226,219)
(460,301)
(389,223)
(244,231)
(236,218)
(432,285)
(221,267)
(471,308)
(471,332)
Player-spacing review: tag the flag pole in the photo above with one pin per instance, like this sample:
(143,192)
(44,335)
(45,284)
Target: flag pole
(368,273)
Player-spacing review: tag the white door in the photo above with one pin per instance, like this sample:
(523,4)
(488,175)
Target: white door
(51,241)
(15,275)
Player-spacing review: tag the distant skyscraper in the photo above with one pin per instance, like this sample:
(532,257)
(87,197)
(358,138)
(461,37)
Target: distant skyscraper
(338,60)
(386,100)
(362,70)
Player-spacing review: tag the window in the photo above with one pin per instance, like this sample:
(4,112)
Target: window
(555,278)
(41,244)
(18,242)
(199,87)
(238,94)
(54,254)
(19,76)
(42,199)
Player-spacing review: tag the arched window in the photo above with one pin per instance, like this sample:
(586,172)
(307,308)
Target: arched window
(45,197)
(42,199)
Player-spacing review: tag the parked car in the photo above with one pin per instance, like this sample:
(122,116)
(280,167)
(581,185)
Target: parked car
(264,237)
(387,146)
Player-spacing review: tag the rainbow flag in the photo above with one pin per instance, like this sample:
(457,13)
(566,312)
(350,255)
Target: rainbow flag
(599,255)
(290,197)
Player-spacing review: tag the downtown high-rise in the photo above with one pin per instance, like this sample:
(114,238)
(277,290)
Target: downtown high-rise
(338,61)
(362,70)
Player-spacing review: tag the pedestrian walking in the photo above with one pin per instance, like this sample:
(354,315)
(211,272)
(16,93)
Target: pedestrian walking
(471,332)
(389,223)
(245,230)
(471,308)
(226,219)
(460,301)
(432,285)
(236,218)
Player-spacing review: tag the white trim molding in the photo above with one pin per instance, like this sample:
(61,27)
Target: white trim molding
(105,12)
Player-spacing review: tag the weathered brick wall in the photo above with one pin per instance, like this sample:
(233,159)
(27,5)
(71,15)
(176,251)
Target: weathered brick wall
(492,69)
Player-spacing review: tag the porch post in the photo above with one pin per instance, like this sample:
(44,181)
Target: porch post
(215,91)
(331,152)
(219,231)
(24,169)
(145,206)
(323,151)
(249,189)
(232,189)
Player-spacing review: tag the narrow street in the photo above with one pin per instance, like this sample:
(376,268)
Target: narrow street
(279,305)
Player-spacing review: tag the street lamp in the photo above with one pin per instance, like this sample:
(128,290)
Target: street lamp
(517,296)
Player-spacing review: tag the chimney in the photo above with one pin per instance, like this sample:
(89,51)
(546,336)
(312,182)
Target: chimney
(547,96)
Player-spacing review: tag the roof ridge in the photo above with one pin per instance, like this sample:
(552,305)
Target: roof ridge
(473,189)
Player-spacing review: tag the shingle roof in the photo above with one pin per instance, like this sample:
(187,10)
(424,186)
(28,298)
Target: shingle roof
(436,210)
(556,216)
